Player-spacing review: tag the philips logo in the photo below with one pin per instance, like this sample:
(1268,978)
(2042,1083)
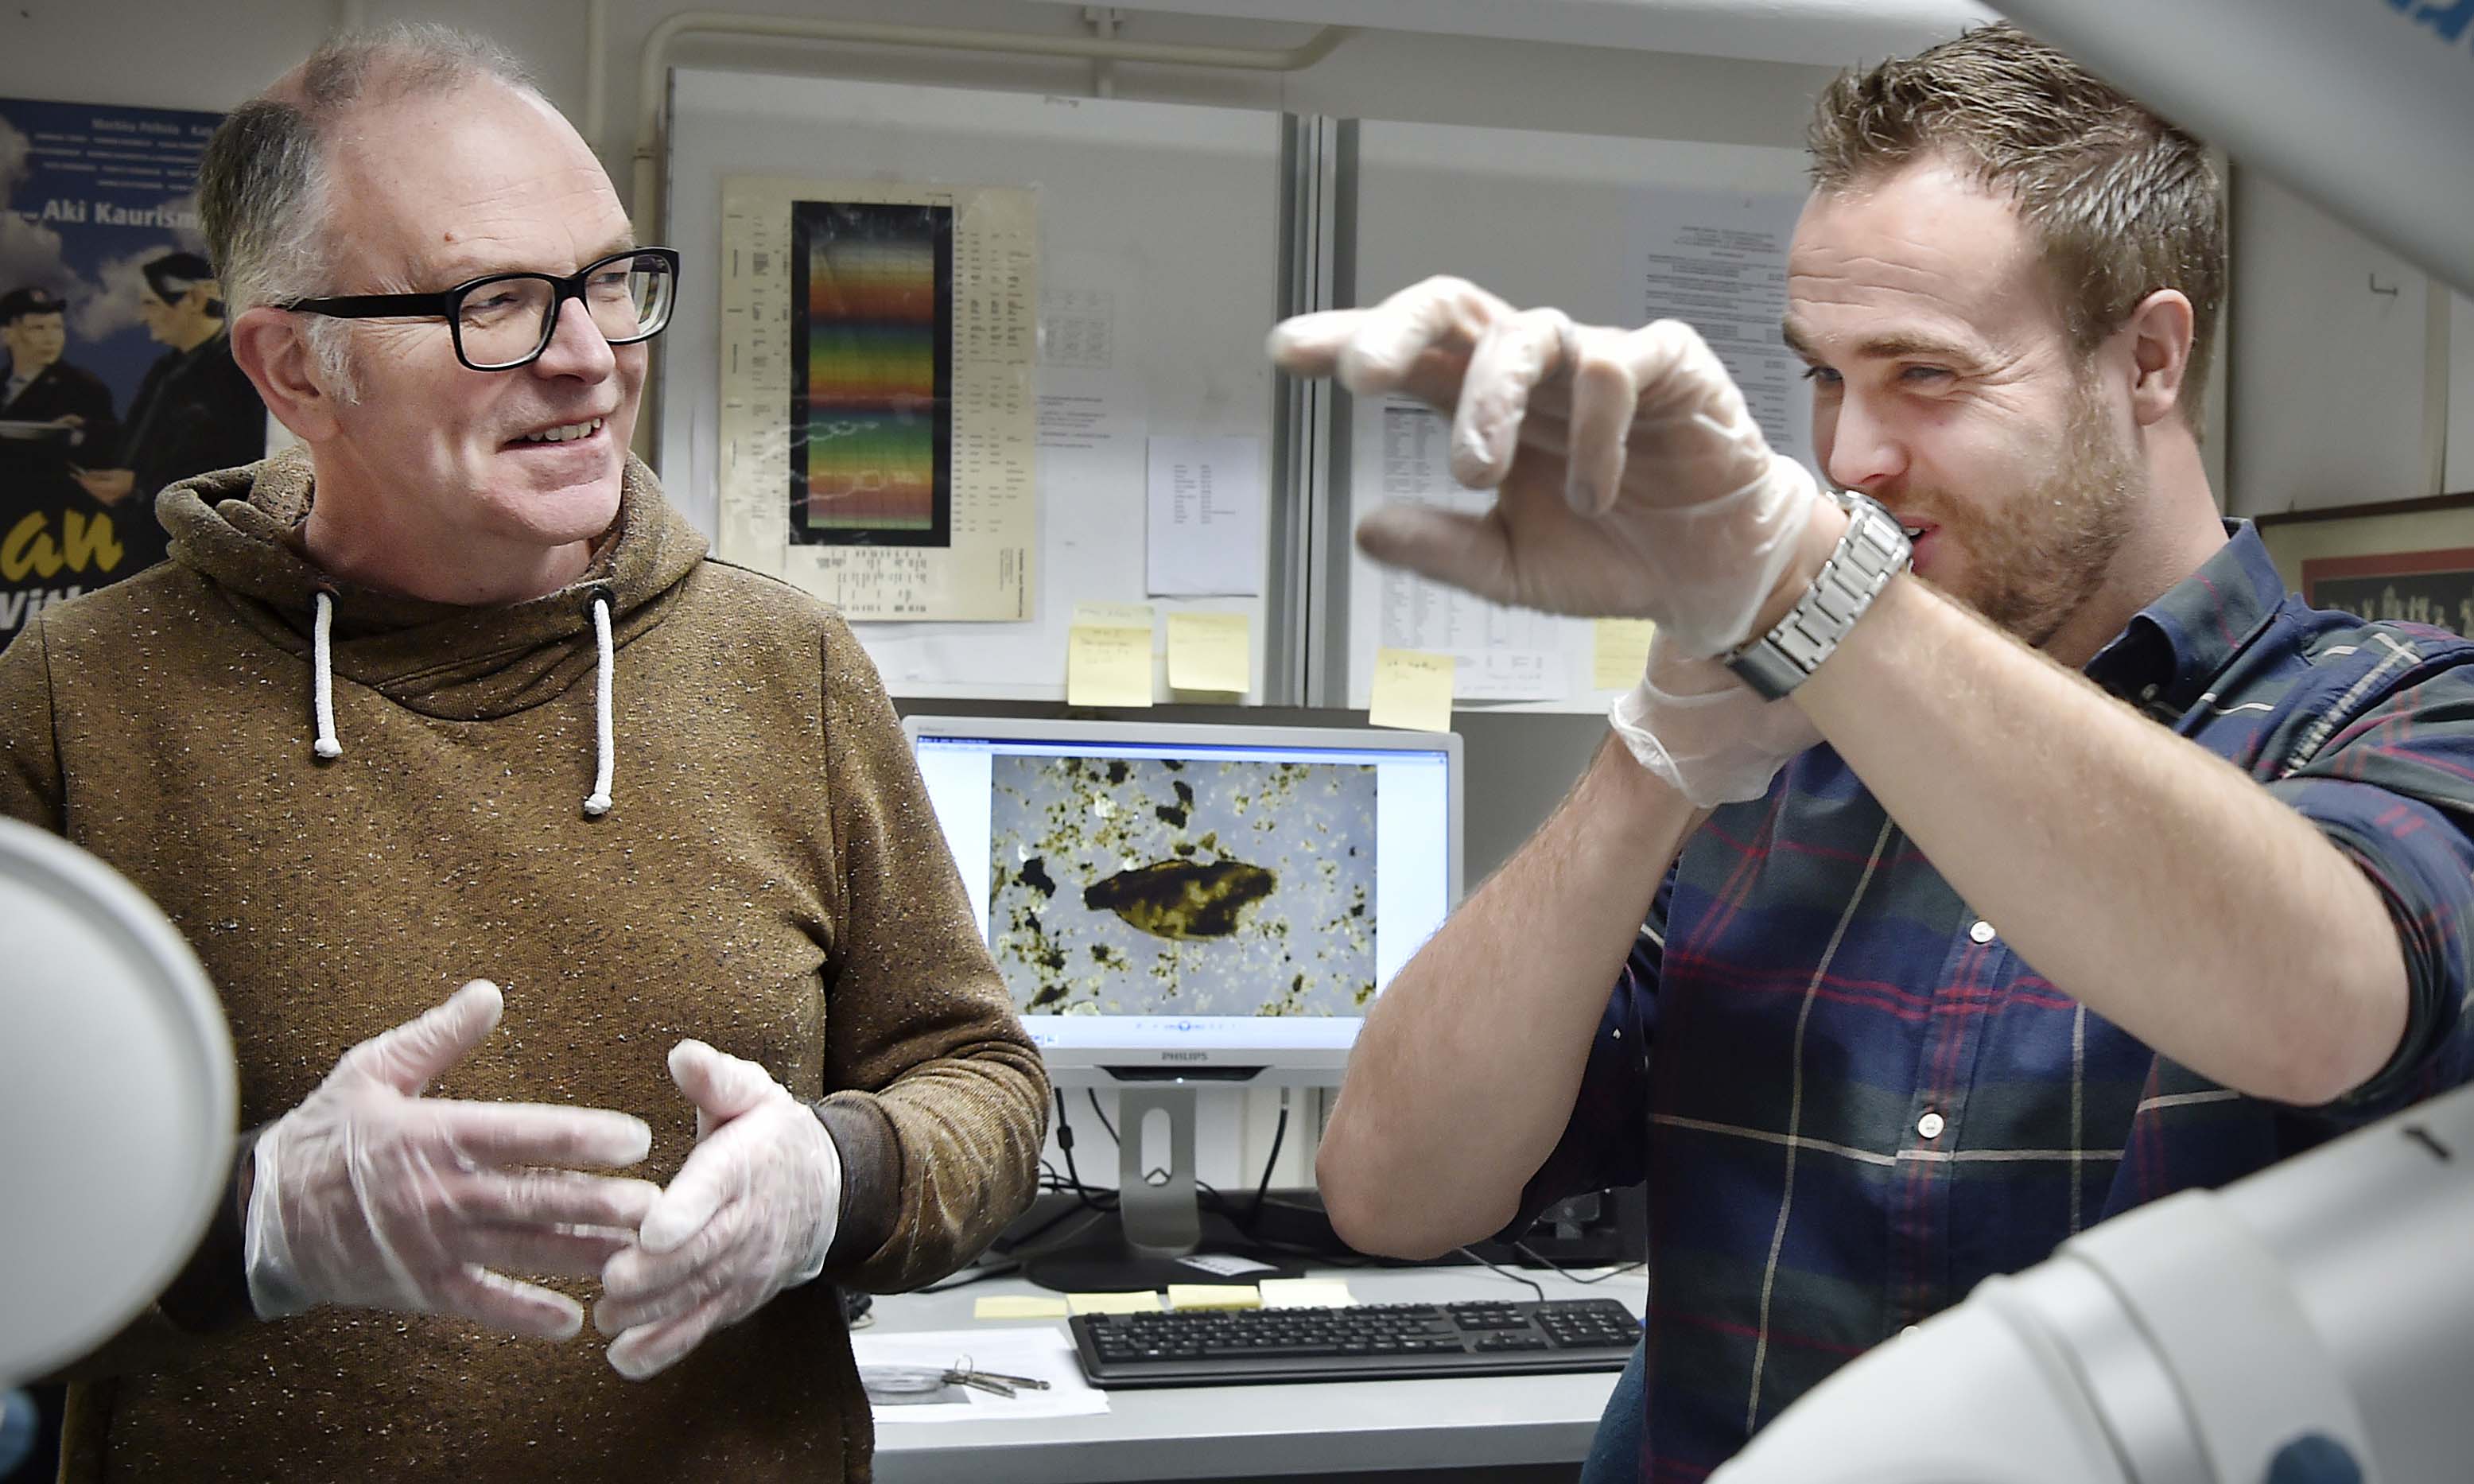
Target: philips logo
(1185,1056)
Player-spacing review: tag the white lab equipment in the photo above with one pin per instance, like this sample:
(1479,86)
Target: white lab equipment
(117,1102)
(2311,1324)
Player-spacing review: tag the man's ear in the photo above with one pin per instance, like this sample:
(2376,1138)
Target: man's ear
(2159,336)
(273,352)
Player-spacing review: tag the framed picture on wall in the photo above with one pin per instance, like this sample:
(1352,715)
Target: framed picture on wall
(2435,587)
(2407,561)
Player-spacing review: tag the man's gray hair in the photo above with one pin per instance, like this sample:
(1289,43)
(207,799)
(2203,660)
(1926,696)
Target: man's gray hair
(264,184)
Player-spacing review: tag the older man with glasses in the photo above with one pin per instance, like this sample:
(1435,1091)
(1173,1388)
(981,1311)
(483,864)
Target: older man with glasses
(452,696)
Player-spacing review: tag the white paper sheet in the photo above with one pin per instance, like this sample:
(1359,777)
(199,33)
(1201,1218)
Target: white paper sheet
(1717,260)
(1094,410)
(1499,653)
(1043,1351)
(1077,329)
(1095,418)
(1205,533)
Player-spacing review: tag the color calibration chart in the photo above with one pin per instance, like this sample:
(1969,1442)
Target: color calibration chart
(878,422)
(872,367)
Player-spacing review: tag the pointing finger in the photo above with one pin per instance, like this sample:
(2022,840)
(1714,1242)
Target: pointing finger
(1308,345)
(1442,314)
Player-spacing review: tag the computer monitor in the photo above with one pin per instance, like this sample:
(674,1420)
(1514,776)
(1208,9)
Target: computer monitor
(1222,903)
(1173,904)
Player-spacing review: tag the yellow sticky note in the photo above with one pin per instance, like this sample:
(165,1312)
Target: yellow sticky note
(1145,1301)
(1412,690)
(1620,653)
(1112,615)
(1019,1307)
(1210,651)
(1108,667)
(1306,1293)
(1214,1295)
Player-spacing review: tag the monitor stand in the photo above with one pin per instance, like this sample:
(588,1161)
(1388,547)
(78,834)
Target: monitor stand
(1152,1239)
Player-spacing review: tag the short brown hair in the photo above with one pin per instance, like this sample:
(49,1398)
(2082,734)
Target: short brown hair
(2121,202)
(262,184)
(263,181)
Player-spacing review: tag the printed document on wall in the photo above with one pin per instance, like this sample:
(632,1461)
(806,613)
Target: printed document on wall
(1205,528)
(878,423)
(1717,261)
(1499,654)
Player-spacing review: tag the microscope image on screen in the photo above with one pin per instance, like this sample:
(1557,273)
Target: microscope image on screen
(1183,886)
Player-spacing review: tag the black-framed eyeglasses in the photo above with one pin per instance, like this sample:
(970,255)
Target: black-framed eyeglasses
(505,319)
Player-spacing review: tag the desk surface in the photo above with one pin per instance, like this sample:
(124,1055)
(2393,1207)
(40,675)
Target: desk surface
(1209,1432)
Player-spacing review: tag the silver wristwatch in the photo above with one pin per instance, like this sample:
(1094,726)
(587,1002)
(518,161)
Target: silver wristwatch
(1873,551)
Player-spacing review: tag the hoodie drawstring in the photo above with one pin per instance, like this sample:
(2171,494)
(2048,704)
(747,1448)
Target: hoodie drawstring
(606,746)
(597,802)
(323,677)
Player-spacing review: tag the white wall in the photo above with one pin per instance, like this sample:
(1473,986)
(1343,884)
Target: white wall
(2327,381)
(1823,33)
(2332,339)
(211,53)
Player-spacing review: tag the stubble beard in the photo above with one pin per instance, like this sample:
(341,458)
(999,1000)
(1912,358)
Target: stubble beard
(2045,553)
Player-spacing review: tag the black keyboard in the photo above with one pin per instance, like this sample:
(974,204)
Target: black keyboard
(1371,1342)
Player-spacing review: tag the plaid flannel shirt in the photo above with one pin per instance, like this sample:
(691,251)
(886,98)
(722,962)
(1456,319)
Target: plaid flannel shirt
(1852,1101)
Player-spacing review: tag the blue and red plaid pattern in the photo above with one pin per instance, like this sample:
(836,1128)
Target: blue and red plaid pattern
(1852,1101)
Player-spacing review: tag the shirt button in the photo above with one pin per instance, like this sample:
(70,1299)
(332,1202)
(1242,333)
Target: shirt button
(1982,931)
(1931,1125)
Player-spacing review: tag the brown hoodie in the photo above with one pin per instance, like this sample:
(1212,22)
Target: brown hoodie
(769,879)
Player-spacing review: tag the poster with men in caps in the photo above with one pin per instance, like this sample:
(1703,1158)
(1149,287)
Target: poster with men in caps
(118,374)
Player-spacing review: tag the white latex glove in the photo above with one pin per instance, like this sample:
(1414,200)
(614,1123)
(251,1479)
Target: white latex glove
(752,1212)
(1692,722)
(1630,477)
(372,1196)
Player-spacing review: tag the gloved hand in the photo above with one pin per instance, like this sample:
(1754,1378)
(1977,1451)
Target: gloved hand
(1692,722)
(752,1212)
(1631,480)
(372,1196)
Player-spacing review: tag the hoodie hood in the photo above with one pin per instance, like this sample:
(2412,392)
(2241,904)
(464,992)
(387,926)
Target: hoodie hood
(240,529)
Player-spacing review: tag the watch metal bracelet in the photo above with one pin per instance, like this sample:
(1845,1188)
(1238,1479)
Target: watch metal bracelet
(1873,551)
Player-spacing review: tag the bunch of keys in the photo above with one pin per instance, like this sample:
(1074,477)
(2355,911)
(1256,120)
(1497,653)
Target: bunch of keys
(900,1385)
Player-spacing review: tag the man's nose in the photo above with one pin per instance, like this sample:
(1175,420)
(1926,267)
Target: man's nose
(577,347)
(1864,453)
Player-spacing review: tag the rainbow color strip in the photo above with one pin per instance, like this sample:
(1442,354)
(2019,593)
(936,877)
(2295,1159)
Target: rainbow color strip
(873,420)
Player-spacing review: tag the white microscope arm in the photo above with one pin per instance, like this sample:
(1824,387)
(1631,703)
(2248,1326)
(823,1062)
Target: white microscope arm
(2316,1317)
(2364,107)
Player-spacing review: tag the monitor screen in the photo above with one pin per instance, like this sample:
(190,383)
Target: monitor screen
(1163,897)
